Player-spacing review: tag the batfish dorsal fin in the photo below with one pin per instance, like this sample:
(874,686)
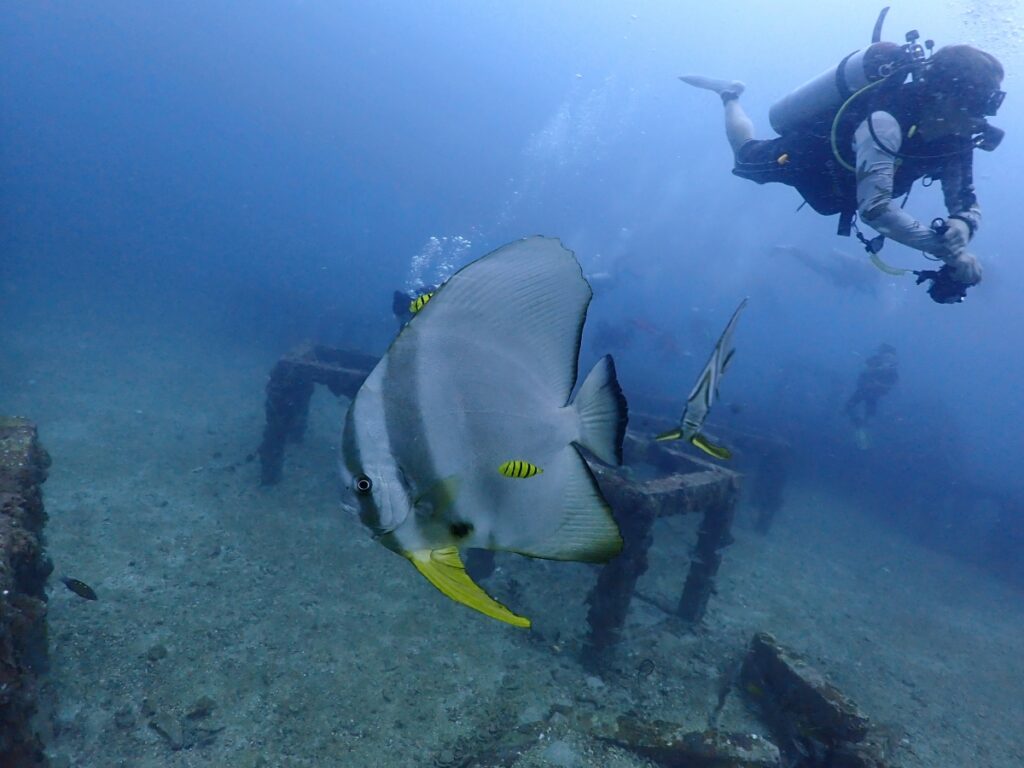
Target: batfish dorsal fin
(526,300)
(444,569)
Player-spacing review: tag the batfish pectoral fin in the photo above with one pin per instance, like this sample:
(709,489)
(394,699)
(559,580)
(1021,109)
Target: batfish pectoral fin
(439,497)
(444,569)
(672,434)
(574,523)
(718,451)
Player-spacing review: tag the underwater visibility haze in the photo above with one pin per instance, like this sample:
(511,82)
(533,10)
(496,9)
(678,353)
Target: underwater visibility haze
(282,282)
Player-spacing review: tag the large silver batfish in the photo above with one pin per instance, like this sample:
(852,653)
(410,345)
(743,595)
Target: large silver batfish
(704,392)
(464,435)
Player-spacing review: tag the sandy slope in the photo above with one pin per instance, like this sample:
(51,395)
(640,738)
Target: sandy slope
(317,647)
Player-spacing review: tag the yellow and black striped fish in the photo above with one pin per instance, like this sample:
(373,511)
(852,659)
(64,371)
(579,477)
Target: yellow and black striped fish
(519,469)
(420,302)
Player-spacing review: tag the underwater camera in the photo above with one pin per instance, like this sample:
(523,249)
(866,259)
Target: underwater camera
(945,289)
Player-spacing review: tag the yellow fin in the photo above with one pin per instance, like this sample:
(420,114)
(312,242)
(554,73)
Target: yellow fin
(672,434)
(420,302)
(519,469)
(444,569)
(709,448)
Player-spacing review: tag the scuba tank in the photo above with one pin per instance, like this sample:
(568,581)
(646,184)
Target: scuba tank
(826,93)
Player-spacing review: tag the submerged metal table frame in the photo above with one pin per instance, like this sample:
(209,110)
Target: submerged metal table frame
(289,389)
(686,485)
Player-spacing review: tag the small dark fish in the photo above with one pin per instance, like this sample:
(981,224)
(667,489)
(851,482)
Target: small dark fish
(644,670)
(80,588)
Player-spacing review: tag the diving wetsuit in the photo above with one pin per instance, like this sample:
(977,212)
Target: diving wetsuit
(880,374)
(877,171)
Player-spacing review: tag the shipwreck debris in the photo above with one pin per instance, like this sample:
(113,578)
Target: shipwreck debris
(669,745)
(24,569)
(812,721)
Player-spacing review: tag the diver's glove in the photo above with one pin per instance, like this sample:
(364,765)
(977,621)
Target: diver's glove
(966,268)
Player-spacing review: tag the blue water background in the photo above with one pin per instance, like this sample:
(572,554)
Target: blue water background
(269,172)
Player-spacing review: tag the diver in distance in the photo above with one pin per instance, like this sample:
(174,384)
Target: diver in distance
(853,141)
(879,375)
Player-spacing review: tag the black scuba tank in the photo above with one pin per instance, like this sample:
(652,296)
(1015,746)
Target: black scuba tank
(825,94)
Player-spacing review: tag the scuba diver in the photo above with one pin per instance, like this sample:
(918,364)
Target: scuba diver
(880,374)
(855,139)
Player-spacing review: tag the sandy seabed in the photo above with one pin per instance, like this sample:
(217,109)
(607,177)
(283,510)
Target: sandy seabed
(244,626)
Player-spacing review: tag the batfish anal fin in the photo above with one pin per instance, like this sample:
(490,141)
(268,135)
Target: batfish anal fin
(444,569)
(718,451)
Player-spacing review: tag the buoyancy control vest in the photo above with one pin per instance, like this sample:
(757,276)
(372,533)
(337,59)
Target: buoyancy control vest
(814,152)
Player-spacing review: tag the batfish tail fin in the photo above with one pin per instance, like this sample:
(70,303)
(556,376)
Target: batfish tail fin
(718,451)
(603,413)
(444,569)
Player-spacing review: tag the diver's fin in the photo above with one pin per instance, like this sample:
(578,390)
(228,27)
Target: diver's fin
(444,569)
(672,434)
(603,412)
(714,84)
(718,451)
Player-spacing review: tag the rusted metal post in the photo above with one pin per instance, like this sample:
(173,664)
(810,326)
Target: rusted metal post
(289,390)
(683,485)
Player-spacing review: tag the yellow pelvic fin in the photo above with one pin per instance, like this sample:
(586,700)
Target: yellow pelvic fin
(519,468)
(672,434)
(710,448)
(444,569)
(420,302)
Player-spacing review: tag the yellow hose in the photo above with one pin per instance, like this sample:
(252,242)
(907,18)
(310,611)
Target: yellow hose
(838,117)
(889,270)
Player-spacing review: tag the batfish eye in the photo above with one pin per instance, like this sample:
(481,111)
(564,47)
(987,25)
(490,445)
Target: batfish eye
(363,484)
